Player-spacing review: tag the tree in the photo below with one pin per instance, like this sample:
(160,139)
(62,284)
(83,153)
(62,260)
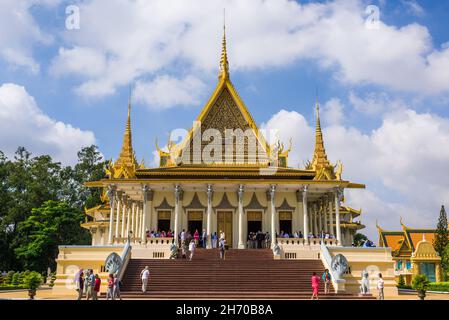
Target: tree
(48,226)
(441,240)
(359,239)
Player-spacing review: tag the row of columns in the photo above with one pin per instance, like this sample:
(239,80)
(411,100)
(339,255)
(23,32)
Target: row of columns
(130,216)
(134,215)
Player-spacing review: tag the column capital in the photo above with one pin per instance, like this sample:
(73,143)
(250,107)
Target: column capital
(178,192)
(147,193)
(271,192)
(111,192)
(209,191)
(338,191)
(240,191)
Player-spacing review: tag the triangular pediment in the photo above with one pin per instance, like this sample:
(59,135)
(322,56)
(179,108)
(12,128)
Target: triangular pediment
(224,133)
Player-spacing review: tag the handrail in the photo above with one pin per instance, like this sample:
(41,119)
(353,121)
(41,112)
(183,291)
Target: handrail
(327,261)
(126,256)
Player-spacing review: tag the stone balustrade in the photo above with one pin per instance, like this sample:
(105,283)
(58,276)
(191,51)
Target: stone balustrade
(302,242)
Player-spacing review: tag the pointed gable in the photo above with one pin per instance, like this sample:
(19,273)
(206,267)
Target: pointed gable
(230,134)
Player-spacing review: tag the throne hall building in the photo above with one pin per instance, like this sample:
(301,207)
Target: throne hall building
(224,177)
(249,189)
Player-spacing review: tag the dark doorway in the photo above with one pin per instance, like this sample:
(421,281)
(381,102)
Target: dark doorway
(286,226)
(163,225)
(254,226)
(193,225)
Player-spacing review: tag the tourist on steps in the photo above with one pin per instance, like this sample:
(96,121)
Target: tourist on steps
(145,275)
(326,277)
(79,283)
(214,240)
(222,248)
(90,284)
(196,237)
(96,290)
(315,285)
(192,247)
(110,291)
(380,287)
(204,238)
(117,287)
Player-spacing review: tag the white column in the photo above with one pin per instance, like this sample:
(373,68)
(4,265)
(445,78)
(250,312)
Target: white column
(111,195)
(209,192)
(305,214)
(128,217)
(338,195)
(318,213)
(240,193)
(323,206)
(147,204)
(117,221)
(315,216)
(124,206)
(178,198)
(133,218)
(138,221)
(272,193)
(331,216)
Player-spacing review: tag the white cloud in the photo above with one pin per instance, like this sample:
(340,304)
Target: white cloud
(185,36)
(23,123)
(403,163)
(333,112)
(166,92)
(413,7)
(19,33)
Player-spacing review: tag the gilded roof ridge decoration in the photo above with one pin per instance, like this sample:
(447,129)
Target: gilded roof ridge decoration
(254,204)
(285,206)
(126,164)
(164,205)
(225,203)
(195,203)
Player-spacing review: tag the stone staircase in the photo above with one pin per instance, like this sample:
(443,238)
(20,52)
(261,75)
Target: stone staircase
(244,274)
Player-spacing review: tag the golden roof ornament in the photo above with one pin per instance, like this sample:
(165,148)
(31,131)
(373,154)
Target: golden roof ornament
(224,64)
(324,169)
(126,164)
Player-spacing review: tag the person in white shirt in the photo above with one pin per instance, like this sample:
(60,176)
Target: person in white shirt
(380,287)
(145,275)
(192,248)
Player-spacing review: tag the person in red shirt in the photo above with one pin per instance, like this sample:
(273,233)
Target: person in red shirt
(96,287)
(110,292)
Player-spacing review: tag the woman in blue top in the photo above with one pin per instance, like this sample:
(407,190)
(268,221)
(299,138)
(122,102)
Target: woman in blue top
(326,277)
(214,240)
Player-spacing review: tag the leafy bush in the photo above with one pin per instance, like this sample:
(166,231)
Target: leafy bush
(420,282)
(401,281)
(52,279)
(9,276)
(33,280)
(15,279)
(439,286)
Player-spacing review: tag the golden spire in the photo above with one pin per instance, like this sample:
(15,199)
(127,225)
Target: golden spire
(319,160)
(126,157)
(224,64)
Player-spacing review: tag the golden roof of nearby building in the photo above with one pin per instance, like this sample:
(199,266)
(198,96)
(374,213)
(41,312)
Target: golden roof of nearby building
(403,243)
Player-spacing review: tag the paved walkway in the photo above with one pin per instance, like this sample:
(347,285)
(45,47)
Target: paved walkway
(46,294)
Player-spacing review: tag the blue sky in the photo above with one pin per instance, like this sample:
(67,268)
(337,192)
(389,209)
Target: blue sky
(384,92)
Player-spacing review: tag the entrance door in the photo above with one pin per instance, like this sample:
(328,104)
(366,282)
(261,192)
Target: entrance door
(224,223)
(254,221)
(285,221)
(163,220)
(195,222)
